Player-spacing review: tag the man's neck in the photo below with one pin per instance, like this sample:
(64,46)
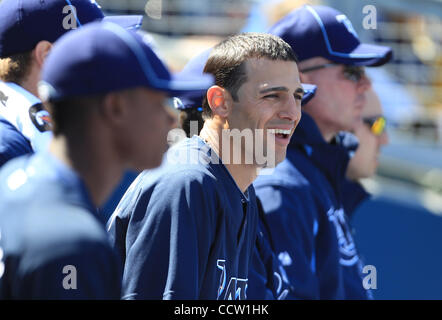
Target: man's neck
(328,136)
(326,131)
(92,164)
(30,83)
(243,174)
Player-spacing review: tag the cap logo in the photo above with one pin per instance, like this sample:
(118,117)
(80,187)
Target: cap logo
(342,18)
(95,3)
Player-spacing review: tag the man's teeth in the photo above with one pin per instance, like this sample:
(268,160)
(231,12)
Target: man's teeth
(281,131)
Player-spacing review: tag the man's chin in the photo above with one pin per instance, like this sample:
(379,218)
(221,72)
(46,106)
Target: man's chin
(280,157)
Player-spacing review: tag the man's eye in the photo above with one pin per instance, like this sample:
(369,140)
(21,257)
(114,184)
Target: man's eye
(271,96)
(297,96)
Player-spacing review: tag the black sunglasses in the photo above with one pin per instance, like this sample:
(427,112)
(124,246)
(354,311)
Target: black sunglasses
(352,73)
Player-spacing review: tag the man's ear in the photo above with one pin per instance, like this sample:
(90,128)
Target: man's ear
(219,100)
(113,108)
(41,51)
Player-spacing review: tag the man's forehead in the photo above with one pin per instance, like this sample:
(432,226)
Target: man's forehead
(259,63)
(265,72)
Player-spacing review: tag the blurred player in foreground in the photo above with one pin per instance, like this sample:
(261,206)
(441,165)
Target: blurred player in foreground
(188,229)
(27,31)
(54,244)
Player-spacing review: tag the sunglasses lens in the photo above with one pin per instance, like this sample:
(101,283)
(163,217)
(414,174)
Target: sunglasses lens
(377,125)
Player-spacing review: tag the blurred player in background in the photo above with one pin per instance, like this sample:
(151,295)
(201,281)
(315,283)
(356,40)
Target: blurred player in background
(303,198)
(53,241)
(188,229)
(27,31)
(371,136)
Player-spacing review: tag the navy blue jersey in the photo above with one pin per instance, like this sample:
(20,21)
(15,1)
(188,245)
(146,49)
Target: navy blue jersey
(303,201)
(354,193)
(54,244)
(109,206)
(267,277)
(185,230)
(12,143)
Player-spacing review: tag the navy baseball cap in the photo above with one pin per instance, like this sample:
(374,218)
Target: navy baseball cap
(103,57)
(320,31)
(23,23)
(194,69)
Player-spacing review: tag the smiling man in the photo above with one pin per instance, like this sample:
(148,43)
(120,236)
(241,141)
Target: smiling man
(267,279)
(258,98)
(187,230)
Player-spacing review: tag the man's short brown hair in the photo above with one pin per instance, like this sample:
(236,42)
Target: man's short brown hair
(16,67)
(227,60)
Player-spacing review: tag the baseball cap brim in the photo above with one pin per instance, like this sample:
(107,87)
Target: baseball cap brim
(108,49)
(309,92)
(364,54)
(127,22)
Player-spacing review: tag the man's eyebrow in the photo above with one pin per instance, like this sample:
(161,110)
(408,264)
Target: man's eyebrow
(273,89)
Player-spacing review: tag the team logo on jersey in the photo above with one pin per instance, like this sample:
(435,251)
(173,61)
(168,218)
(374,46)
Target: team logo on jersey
(285,259)
(342,18)
(347,248)
(236,289)
(40,117)
(3,98)
(279,278)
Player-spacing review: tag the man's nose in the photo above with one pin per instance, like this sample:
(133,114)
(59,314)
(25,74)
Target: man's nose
(291,110)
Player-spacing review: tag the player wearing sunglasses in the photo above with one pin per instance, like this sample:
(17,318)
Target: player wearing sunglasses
(372,136)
